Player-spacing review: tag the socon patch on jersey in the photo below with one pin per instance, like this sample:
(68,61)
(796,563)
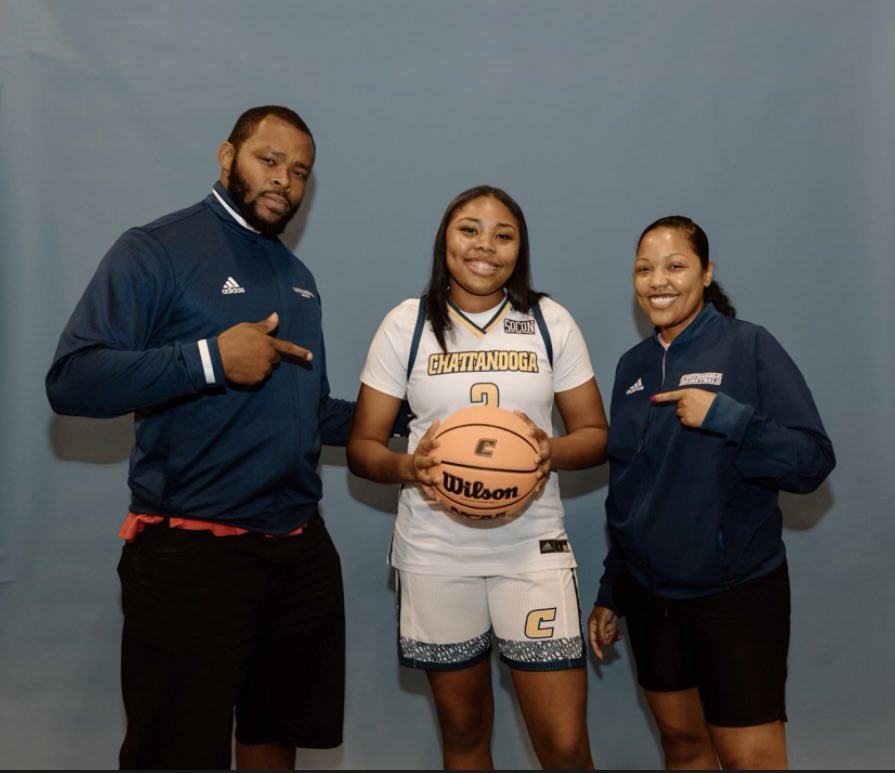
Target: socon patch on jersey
(524,327)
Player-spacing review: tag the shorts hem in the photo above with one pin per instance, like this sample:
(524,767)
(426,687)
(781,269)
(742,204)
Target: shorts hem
(554,665)
(750,722)
(667,689)
(432,666)
(311,743)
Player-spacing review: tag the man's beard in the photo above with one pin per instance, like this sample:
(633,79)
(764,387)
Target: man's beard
(238,189)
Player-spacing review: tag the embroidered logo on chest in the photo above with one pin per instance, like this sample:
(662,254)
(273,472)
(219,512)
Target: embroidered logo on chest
(302,292)
(231,287)
(692,379)
(519,326)
(637,386)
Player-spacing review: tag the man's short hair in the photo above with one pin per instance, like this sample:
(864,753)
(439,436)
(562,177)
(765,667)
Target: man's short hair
(247,123)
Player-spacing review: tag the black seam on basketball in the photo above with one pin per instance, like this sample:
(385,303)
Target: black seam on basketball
(520,471)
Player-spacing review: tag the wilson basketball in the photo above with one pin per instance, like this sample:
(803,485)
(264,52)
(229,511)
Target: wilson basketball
(488,462)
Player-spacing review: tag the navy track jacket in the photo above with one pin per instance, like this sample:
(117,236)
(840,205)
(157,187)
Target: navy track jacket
(142,339)
(692,512)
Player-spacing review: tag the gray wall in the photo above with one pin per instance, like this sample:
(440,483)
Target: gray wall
(770,123)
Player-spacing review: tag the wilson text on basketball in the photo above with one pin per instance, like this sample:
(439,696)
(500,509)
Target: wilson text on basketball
(454,484)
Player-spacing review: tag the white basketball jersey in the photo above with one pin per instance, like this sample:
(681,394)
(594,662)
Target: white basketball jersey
(500,358)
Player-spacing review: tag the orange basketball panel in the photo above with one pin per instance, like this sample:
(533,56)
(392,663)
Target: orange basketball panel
(488,462)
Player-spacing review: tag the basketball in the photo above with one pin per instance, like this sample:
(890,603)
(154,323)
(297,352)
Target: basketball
(488,463)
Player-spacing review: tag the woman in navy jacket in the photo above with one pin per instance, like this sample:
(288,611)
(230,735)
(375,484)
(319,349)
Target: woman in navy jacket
(710,419)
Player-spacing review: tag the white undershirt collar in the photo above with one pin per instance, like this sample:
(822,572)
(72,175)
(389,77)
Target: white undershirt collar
(233,213)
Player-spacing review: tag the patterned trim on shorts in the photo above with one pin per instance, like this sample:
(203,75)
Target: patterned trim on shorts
(420,654)
(544,655)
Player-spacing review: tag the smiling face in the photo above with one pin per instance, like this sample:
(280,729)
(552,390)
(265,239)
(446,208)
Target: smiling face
(669,280)
(481,249)
(267,174)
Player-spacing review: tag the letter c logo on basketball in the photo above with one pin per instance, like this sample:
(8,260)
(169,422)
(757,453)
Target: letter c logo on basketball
(485,447)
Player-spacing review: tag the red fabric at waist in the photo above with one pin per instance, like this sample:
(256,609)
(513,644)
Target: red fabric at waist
(136,522)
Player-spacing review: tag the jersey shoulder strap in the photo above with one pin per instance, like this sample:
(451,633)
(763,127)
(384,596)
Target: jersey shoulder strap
(545,333)
(421,323)
(417,333)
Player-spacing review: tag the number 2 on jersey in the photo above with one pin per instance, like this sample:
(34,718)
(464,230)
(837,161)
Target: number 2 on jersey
(485,393)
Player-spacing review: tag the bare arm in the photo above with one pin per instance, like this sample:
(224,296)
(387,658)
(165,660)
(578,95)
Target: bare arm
(584,443)
(368,453)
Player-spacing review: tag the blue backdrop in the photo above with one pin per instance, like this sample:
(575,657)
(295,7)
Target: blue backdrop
(769,123)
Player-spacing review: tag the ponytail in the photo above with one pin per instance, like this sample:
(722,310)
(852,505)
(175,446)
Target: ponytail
(714,294)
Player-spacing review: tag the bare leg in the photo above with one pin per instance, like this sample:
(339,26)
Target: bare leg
(758,747)
(465,708)
(686,742)
(554,704)
(264,756)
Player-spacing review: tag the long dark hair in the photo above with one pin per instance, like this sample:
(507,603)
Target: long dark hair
(518,286)
(700,244)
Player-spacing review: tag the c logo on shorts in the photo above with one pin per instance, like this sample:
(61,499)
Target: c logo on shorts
(534,623)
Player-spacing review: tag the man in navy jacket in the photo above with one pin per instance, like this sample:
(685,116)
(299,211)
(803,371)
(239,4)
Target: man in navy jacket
(206,327)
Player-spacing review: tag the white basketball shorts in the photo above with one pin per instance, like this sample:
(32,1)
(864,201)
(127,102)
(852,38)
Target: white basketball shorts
(446,623)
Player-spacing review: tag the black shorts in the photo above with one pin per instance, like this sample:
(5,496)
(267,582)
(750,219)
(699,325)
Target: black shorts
(732,646)
(213,624)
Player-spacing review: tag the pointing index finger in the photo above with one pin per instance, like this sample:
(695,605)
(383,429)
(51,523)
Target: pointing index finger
(667,397)
(287,347)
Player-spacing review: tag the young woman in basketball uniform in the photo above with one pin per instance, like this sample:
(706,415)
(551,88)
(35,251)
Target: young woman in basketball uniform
(463,583)
(711,418)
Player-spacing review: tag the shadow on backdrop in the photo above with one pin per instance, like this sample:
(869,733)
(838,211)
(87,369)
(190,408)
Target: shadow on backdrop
(94,441)
(803,511)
